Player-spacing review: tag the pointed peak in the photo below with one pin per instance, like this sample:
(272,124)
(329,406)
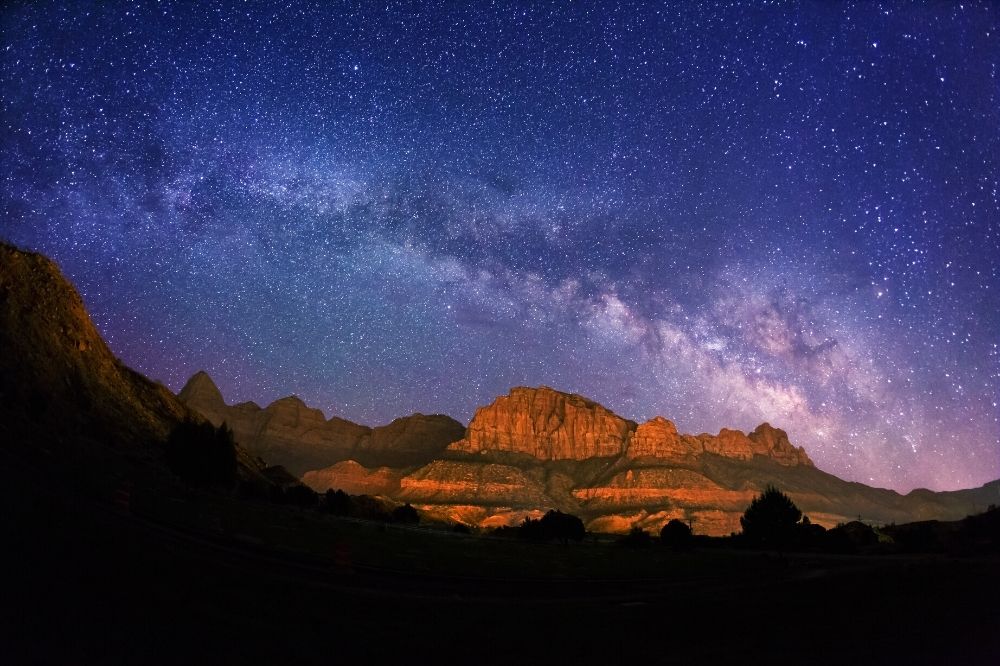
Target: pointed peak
(201,390)
(200,377)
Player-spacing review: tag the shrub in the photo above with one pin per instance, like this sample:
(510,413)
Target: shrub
(336,502)
(553,525)
(405,515)
(677,535)
(563,526)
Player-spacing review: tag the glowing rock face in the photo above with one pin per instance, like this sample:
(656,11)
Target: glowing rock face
(548,425)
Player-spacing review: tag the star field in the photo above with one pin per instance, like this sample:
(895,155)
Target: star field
(724,214)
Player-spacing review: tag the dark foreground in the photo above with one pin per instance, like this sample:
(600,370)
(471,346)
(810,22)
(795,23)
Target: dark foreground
(94,582)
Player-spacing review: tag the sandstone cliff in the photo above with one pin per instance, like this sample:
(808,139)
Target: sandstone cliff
(64,396)
(538,448)
(546,424)
(550,425)
(352,478)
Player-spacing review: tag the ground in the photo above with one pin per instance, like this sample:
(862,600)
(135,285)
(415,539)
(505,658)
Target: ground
(193,577)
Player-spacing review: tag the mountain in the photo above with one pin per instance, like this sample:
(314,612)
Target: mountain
(289,433)
(57,376)
(67,402)
(550,425)
(64,397)
(538,448)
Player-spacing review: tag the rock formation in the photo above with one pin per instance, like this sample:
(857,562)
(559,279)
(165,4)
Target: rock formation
(658,438)
(56,373)
(550,425)
(546,424)
(354,479)
(290,433)
(64,394)
(774,442)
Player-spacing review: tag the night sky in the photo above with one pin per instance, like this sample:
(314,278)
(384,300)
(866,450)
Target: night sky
(722,214)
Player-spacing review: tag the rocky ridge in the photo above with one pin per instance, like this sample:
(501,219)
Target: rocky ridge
(550,425)
(540,448)
(64,394)
(290,433)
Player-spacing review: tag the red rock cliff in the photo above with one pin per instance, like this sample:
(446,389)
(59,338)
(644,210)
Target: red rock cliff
(548,425)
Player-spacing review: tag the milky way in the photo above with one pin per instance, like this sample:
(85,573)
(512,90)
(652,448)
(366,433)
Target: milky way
(721,214)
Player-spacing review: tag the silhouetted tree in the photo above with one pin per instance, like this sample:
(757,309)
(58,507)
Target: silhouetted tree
(336,502)
(533,530)
(677,535)
(770,519)
(809,535)
(369,508)
(405,514)
(553,525)
(202,454)
(563,526)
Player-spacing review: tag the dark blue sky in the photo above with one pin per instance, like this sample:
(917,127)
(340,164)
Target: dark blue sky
(723,214)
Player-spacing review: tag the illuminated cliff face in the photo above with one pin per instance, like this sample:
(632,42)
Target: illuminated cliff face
(538,448)
(548,425)
(551,425)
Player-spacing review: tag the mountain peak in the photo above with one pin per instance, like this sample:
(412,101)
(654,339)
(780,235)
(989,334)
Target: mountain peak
(776,445)
(201,392)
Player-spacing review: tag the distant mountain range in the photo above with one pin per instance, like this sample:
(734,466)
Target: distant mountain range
(538,448)
(67,400)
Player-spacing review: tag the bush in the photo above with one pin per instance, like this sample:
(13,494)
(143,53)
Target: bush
(405,515)
(369,508)
(553,525)
(336,502)
(770,519)
(533,530)
(202,454)
(677,535)
(563,526)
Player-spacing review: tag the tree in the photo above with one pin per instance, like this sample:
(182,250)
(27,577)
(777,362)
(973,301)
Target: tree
(553,525)
(202,454)
(533,530)
(405,514)
(770,519)
(676,534)
(563,526)
(337,502)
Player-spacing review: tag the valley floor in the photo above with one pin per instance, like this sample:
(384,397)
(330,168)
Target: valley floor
(203,579)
